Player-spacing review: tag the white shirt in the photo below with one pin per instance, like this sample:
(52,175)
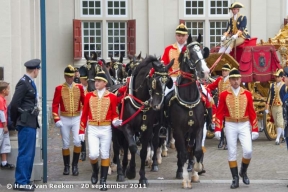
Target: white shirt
(101,92)
(180,46)
(235,16)
(225,78)
(236,91)
(278,84)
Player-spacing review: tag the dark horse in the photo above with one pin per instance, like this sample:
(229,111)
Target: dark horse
(145,96)
(91,68)
(117,70)
(186,110)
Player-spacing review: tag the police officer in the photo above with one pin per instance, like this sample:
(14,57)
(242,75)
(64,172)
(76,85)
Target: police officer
(24,114)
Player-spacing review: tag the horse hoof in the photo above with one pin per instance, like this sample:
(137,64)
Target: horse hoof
(195,177)
(172,146)
(186,185)
(164,154)
(120,178)
(130,174)
(159,161)
(179,175)
(154,168)
(143,182)
(133,148)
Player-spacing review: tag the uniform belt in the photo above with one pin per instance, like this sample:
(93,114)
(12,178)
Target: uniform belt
(69,114)
(97,123)
(229,119)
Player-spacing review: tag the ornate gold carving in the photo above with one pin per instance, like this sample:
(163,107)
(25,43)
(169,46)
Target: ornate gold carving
(236,104)
(99,107)
(71,98)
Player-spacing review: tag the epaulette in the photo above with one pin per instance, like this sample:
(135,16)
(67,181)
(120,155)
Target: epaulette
(23,78)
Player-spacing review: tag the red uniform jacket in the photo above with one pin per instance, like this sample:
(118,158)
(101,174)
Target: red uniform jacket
(220,84)
(236,109)
(98,112)
(172,52)
(69,100)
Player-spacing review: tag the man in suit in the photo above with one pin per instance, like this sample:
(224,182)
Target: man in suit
(236,29)
(24,114)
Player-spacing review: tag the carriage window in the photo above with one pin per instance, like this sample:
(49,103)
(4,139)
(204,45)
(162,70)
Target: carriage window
(194,7)
(92,37)
(219,7)
(116,8)
(116,39)
(91,8)
(217,28)
(195,27)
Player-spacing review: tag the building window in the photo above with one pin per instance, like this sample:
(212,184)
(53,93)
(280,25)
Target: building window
(217,29)
(194,28)
(117,8)
(116,39)
(91,8)
(219,7)
(92,38)
(194,7)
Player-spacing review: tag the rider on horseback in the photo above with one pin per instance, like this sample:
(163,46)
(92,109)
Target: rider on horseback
(236,29)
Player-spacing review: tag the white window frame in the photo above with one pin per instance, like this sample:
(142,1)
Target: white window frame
(225,21)
(193,16)
(107,28)
(203,34)
(218,15)
(126,9)
(81,9)
(101,43)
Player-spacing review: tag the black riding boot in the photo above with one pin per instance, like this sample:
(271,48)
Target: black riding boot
(243,173)
(221,143)
(235,181)
(76,155)
(83,150)
(66,159)
(225,144)
(103,177)
(94,177)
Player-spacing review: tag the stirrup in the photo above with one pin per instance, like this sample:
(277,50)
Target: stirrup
(162,132)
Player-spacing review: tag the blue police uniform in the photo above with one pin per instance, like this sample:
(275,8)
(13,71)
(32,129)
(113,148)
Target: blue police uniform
(24,115)
(284,98)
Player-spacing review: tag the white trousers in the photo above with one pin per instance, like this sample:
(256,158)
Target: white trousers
(5,146)
(99,137)
(70,124)
(204,135)
(233,132)
(167,90)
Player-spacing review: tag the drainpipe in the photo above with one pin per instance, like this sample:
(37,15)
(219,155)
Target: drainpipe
(44,89)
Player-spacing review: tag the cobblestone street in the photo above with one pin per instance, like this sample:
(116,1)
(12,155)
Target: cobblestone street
(267,171)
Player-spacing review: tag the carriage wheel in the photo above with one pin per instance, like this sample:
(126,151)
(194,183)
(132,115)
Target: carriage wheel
(269,127)
(210,134)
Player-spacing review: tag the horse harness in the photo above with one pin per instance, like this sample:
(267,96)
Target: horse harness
(88,66)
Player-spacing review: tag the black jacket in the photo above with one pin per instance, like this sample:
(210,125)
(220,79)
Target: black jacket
(25,99)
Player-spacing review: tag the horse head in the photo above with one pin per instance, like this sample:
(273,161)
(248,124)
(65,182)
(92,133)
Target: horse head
(92,68)
(158,80)
(133,63)
(117,70)
(193,57)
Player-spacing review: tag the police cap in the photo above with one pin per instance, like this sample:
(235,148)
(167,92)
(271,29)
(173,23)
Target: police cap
(33,64)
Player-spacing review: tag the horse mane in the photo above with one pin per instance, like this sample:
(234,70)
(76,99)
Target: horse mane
(181,57)
(145,65)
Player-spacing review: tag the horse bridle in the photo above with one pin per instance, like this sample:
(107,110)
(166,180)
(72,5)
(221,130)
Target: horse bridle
(196,48)
(88,66)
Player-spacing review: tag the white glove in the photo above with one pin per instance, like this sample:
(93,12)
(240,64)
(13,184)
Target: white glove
(266,111)
(235,36)
(223,38)
(117,122)
(82,137)
(59,124)
(255,135)
(217,135)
